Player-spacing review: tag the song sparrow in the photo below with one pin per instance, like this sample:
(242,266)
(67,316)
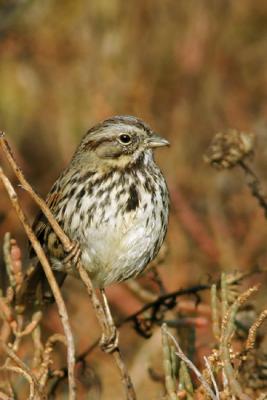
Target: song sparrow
(112,200)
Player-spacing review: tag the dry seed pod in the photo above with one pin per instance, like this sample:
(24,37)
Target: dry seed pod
(229,148)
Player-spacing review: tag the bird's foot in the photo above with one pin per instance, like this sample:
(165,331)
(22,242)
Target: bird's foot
(110,340)
(73,254)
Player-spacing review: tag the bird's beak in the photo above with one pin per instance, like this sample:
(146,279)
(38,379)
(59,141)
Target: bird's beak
(156,141)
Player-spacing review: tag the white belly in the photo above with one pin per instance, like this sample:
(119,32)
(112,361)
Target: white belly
(115,253)
(117,244)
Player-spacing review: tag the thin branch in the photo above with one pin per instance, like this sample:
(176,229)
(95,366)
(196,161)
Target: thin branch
(51,279)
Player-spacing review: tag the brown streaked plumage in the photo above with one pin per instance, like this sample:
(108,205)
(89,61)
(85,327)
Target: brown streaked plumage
(112,200)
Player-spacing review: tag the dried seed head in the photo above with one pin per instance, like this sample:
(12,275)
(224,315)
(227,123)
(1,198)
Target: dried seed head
(229,148)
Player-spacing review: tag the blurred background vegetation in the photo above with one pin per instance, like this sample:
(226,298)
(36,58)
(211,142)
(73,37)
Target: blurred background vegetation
(189,69)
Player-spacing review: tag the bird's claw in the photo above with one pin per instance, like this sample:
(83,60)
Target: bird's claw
(73,254)
(109,341)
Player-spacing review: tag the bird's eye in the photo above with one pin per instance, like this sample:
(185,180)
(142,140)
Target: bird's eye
(125,139)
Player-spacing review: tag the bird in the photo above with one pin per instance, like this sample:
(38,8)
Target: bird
(112,200)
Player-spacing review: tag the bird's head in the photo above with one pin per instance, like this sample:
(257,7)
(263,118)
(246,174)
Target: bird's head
(118,142)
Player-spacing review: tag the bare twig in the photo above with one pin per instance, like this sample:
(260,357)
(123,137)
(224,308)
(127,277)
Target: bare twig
(50,277)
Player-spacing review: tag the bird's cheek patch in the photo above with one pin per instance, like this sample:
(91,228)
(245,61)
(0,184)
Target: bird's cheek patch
(109,150)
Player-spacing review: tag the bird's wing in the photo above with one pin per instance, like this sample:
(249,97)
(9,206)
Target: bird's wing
(40,223)
(35,285)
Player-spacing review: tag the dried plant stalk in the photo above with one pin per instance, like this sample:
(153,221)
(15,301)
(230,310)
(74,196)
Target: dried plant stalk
(253,330)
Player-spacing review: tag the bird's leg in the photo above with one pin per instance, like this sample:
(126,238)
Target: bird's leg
(110,338)
(73,254)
